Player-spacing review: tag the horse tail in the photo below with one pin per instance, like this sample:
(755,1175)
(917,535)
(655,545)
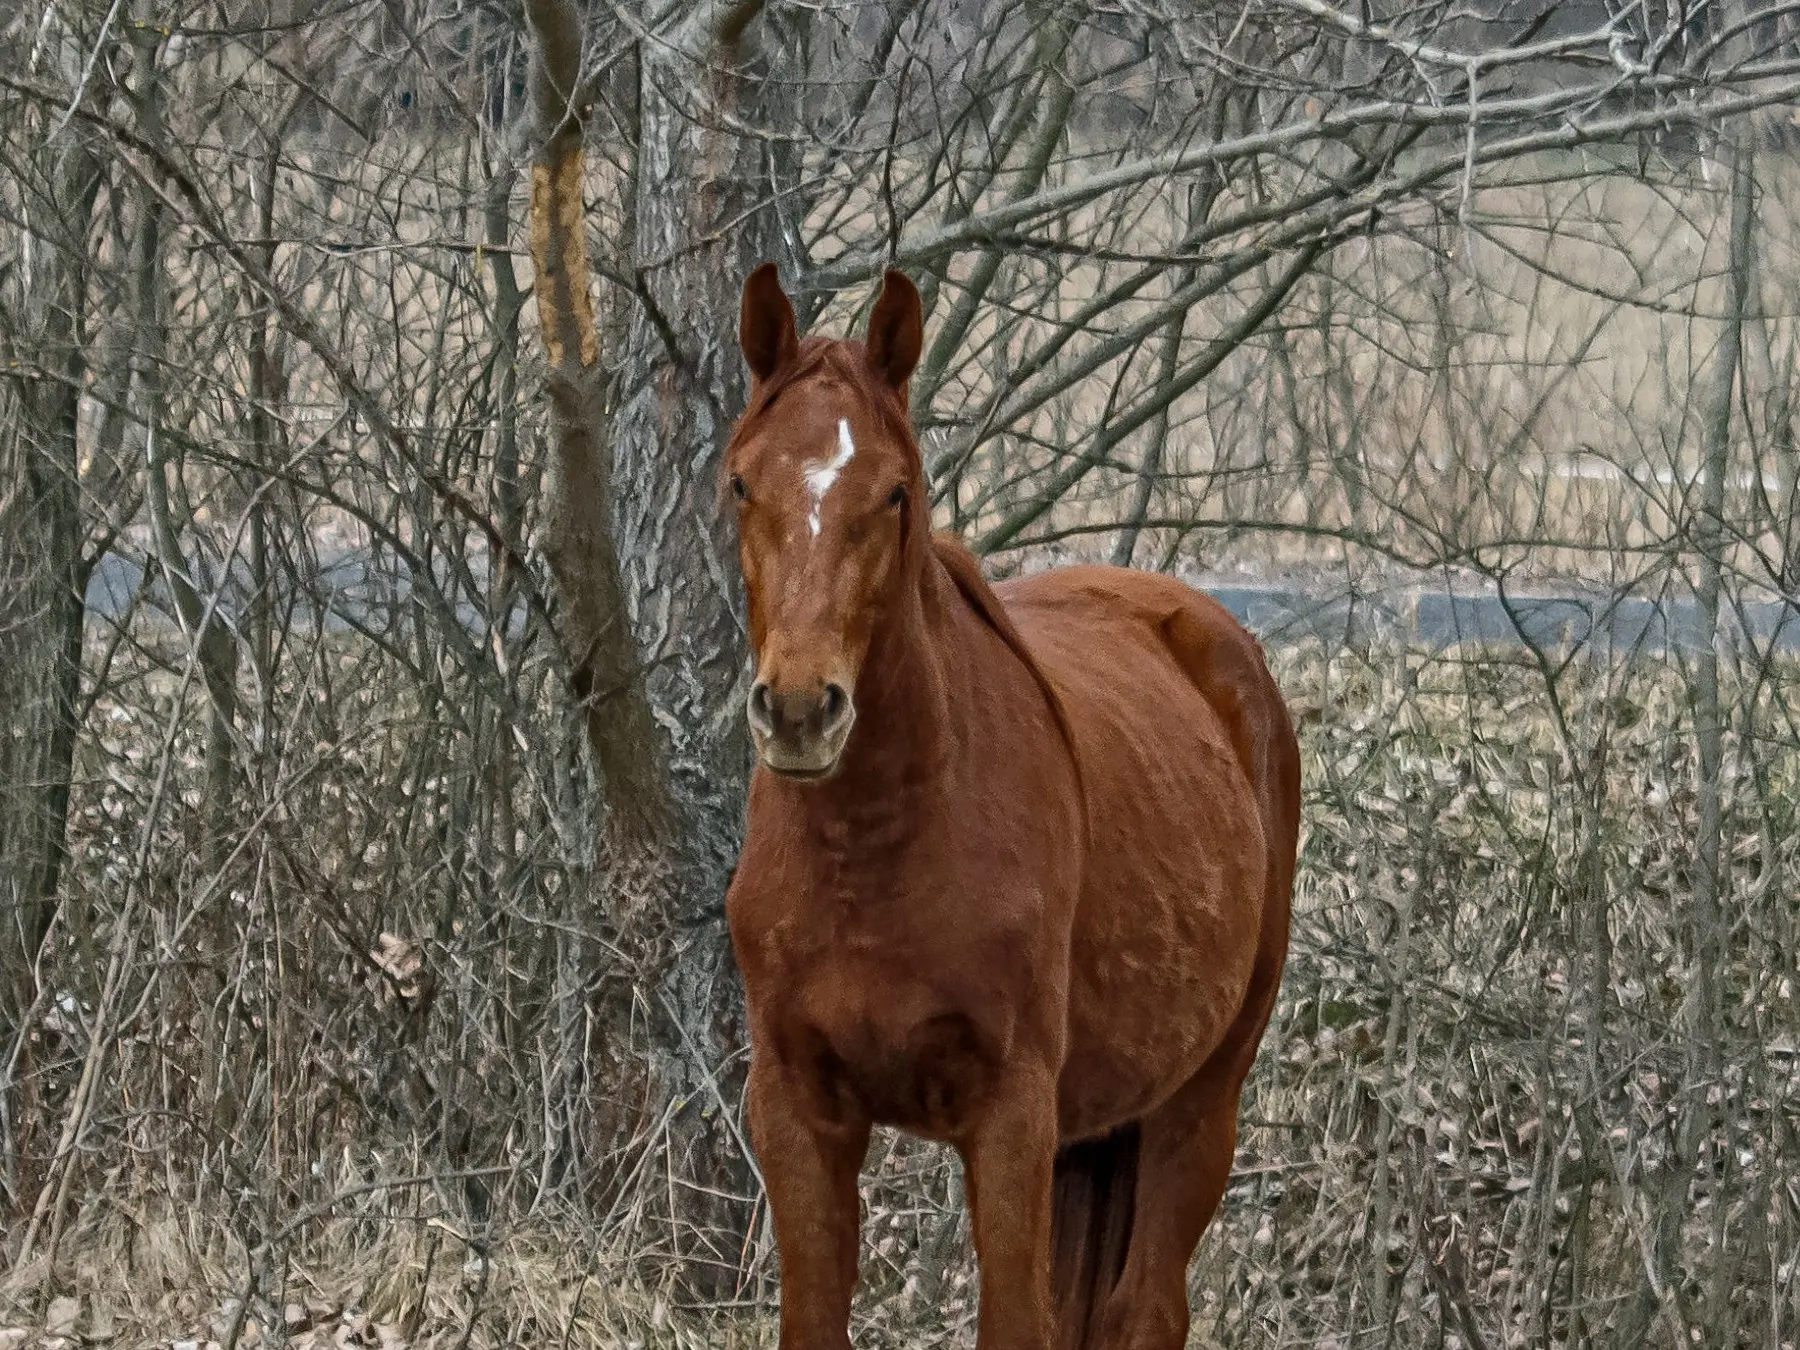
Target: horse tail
(1093,1197)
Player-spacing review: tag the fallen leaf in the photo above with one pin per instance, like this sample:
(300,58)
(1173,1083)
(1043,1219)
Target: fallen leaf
(401,961)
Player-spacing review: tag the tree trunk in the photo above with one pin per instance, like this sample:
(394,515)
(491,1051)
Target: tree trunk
(43,577)
(645,562)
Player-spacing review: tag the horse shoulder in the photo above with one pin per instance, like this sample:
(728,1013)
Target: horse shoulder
(761,899)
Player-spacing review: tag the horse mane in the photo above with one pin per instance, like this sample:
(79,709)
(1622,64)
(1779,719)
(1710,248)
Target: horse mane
(965,571)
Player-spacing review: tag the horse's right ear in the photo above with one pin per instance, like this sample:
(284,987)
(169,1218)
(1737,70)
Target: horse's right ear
(896,331)
(766,324)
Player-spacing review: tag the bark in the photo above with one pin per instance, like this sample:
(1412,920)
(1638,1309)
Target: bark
(579,505)
(43,577)
(644,559)
(266,386)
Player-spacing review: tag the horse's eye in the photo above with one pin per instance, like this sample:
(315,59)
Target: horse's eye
(738,489)
(898,496)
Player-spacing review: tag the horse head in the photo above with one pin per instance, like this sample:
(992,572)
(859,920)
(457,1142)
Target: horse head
(833,520)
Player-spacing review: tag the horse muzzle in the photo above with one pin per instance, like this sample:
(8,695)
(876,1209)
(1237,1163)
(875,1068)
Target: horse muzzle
(800,733)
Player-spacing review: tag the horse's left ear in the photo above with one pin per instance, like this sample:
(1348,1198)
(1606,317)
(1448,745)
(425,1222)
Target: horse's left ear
(896,331)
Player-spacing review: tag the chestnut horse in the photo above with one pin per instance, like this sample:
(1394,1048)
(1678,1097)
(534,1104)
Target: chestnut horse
(1016,874)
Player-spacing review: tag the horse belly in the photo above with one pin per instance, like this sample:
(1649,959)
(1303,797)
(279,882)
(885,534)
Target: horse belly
(1166,932)
(1159,971)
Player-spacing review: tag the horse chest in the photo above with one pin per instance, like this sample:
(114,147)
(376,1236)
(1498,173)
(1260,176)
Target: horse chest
(896,992)
(910,1053)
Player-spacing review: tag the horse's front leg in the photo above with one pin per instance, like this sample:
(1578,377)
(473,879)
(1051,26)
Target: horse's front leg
(809,1166)
(1008,1164)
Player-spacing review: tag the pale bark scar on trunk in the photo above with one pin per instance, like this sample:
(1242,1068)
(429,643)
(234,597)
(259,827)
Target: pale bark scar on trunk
(543,282)
(559,255)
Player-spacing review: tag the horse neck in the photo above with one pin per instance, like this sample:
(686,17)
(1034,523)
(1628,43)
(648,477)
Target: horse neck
(909,700)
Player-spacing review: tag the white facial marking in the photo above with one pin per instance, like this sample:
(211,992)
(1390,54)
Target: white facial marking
(820,477)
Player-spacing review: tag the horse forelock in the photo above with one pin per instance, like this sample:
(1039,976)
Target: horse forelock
(840,361)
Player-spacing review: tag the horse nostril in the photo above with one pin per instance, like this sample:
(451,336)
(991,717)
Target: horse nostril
(836,700)
(762,708)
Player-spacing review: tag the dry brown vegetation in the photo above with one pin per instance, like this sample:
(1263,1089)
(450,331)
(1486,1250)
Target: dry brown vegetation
(1445,1068)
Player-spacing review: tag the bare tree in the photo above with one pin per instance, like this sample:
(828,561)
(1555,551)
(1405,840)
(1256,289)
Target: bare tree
(641,552)
(42,552)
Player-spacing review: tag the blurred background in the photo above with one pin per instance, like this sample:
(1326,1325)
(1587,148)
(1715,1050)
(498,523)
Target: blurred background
(371,651)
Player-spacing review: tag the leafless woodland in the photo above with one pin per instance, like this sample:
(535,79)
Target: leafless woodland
(371,652)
